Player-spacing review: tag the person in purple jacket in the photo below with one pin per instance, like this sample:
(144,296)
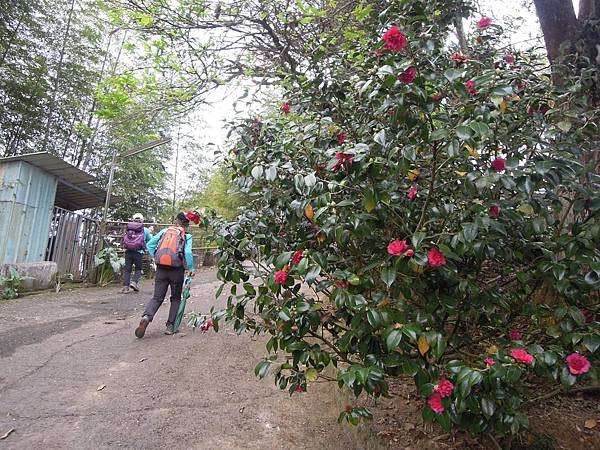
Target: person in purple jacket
(134,242)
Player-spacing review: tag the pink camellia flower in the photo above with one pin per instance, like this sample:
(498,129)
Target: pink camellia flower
(510,59)
(494,211)
(412,193)
(297,256)
(281,277)
(341,138)
(499,164)
(410,253)
(435,97)
(578,365)
(444,388)
(435,402)
(521,355)
(394,39)
(489,361)
(484,22)
(435,257)
(343,159)
(397,247)
(514,335)
(408,75)
(285,107)
(378,52)
(470,85)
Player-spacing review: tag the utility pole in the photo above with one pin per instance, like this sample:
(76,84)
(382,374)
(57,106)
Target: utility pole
(175,177)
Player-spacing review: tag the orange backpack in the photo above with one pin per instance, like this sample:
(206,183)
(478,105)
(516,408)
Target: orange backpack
(170,249)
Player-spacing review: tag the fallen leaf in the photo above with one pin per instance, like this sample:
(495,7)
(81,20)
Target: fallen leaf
(109,322)
(472,151)
(143,359)
(242,409)
(590,423)
(503,106)
(423,344)
(102,386)
(460,173)
(5,435)
(413,174)
(321,237)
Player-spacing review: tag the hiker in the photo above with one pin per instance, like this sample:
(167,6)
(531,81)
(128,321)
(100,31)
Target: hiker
(134,242)
(172,252)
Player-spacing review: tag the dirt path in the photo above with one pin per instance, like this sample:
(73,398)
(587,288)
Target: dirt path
(192,390)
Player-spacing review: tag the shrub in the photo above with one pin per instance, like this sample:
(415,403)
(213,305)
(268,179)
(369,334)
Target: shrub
(442,212)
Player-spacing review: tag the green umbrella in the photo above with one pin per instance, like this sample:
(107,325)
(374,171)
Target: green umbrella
(184,296)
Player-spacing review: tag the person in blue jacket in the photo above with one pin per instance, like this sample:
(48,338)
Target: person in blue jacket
(168,276)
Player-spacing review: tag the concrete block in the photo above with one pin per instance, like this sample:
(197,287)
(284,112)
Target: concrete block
(36,276)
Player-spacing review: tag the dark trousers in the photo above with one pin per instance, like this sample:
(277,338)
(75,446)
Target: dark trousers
(165,278)
(132,258)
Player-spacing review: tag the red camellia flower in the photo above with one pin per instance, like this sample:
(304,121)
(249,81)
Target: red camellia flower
(341,138)
(343,284)
(494,211)
(343,159)
(394,39)
(435,257)
(435,97)
(489,361)
(408,75)
(281,277)
(514,335)
(578,365)
(588,316)
(285,107)
(484,22)
(299,389)
(459,58)
(206,326)
(510,59)
(412,193)
(499,164)
(435,402)
(297,256)
(397,247)
(410,253)
(193,216)
(444,388)
(521,355)
(470,85)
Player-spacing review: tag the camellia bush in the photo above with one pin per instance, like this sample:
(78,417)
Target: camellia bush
(415,210)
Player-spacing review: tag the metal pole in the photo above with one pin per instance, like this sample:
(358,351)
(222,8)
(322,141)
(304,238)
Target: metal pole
(175,177)
(113,165)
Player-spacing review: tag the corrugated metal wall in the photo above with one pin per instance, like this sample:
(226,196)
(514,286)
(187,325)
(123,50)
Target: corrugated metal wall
(26,202)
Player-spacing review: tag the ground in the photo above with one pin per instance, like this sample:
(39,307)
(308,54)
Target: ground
(74,376)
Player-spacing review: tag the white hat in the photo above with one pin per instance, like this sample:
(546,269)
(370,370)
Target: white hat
(138,216)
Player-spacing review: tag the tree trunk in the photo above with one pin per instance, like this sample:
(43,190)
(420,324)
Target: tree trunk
(558,22)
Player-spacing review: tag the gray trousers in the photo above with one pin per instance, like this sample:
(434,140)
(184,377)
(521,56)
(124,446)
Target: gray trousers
(165,278)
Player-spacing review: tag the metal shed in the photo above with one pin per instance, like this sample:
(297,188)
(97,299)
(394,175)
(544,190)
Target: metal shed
(31,186)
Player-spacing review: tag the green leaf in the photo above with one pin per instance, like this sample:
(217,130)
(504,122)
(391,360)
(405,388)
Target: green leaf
(453,74)
(480,128)
(262,368)
(488,407)
(439,134)
(463,133)
(564,126)
(370,201)
(257,172)
(380,138)
(393,339)
(271,173)
(591,342)
(310,180)
(388,275)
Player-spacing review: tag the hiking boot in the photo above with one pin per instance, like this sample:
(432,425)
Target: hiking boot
(141,329)
(125,290)
(170,329)
(133,285)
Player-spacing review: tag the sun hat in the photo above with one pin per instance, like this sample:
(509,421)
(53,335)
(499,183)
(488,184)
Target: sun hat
(138,216)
